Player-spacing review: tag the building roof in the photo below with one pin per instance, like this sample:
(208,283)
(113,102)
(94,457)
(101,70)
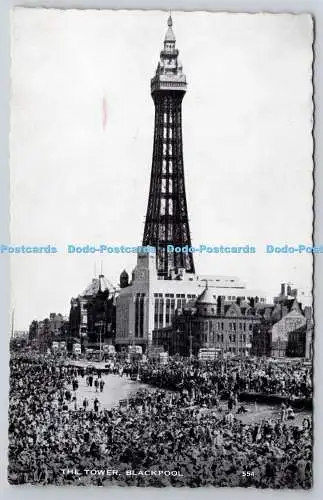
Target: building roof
(206,297)
(98,284)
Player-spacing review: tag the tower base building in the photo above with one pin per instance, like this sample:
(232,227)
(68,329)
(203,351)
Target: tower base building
(149,303)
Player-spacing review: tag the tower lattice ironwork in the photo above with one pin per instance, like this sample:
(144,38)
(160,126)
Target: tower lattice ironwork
(167,216)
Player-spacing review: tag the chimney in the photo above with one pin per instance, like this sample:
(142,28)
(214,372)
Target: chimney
(220,306)
(284,311)
(282,289)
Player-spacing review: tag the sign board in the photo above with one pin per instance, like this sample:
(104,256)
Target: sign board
(155,351)
(163,357)
(207,354)
(135,349)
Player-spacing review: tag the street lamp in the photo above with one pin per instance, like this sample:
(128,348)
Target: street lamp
(100,325)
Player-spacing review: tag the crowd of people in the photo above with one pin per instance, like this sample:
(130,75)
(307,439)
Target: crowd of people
(156,430)
(219,379)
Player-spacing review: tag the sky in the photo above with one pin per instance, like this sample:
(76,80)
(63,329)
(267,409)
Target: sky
(82,122)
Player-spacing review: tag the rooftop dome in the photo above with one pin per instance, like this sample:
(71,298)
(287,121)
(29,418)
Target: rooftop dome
(206,297)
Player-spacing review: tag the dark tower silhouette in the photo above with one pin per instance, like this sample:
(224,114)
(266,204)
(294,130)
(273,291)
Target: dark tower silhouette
(124,279)
(167,216)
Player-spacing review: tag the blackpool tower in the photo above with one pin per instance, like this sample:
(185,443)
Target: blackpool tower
(167,216)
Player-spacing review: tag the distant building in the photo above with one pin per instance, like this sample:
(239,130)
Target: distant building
(149,303)
(288,331)
(241,328)
(207,322)
(92,314)
(58,324)
(20,334)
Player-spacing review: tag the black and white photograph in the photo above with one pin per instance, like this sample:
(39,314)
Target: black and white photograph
(161,249)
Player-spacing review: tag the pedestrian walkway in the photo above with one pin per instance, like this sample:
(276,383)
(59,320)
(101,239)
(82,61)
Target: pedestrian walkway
(115,389)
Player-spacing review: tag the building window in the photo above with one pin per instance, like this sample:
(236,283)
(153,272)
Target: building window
(250,327)
(162,206)
(139,315)
(234,326)
(172,309)
(161,313)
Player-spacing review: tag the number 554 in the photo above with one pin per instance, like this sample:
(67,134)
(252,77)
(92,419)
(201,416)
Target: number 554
(248,473)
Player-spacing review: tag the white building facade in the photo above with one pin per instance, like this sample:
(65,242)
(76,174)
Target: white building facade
(149,303)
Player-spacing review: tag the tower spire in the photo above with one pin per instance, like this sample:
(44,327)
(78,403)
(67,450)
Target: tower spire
(167,215)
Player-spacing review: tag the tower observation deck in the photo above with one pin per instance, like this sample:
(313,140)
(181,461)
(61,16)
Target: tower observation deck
(167,216)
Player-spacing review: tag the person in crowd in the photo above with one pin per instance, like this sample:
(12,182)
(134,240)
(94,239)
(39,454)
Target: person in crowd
(164,428)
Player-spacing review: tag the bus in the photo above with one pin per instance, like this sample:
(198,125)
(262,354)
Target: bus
(208,354)
(109,349)
(135,349)
(77,349)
